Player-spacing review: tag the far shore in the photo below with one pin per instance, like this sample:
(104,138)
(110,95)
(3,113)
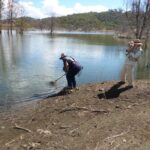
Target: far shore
(117,34)
(67,31)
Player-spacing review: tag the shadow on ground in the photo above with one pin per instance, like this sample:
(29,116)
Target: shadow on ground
(63,92)
(114,91)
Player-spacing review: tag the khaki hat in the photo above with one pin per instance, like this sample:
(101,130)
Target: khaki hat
(138,42)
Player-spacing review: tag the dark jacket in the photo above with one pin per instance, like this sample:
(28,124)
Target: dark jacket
(73,65)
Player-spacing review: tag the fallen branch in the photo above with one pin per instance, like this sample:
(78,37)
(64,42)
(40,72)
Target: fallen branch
(117,135)
(116,147)
(97,146)
(99,111)
(82,108)
(21,128)
(136,104)
(64,127)
(73,109)
(9,143)
(74,130)
(12,141)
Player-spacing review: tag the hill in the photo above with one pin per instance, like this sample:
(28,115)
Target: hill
(92,21)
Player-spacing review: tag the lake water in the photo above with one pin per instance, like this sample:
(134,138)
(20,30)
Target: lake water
(29,62)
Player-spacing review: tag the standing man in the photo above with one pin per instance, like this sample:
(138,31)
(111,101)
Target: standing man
(134,52)
(72,68)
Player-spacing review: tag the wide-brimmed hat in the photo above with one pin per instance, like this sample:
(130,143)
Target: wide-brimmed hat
(138,42)
(62,56)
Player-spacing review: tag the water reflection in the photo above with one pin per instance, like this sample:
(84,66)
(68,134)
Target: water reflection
(92,39)
(30,61)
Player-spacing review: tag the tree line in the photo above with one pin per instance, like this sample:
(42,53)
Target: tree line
(8,12)
(133,19)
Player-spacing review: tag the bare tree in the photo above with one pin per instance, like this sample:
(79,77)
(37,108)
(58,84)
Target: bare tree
(41,24)
(20,21)
(52,24)
(1,9)
(11,13)
(138,16)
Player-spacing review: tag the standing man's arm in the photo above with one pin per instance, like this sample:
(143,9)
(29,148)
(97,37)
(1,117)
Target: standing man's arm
(138,54)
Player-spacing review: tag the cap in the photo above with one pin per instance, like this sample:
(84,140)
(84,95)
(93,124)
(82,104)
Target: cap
(62,56)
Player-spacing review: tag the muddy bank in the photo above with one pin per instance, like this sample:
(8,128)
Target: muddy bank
(99,116)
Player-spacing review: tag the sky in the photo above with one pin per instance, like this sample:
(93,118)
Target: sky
(45,8)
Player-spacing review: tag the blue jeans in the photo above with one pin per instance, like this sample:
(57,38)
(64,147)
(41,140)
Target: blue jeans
(70,76)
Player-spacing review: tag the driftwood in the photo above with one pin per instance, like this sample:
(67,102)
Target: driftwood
(117,135)
(116,147)
(64,127)
(76,108)
(21,128)
(137,104)
(97,146)
(9,143)
(73,109)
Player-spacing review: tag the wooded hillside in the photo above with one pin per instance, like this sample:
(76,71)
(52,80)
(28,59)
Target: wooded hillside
(92,21)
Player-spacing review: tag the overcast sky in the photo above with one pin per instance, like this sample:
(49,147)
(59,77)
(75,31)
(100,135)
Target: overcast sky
(44,8)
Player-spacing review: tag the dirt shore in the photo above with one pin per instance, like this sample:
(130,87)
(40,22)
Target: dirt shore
(101,116)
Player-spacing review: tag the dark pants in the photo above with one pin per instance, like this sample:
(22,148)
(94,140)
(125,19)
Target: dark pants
(70,76)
